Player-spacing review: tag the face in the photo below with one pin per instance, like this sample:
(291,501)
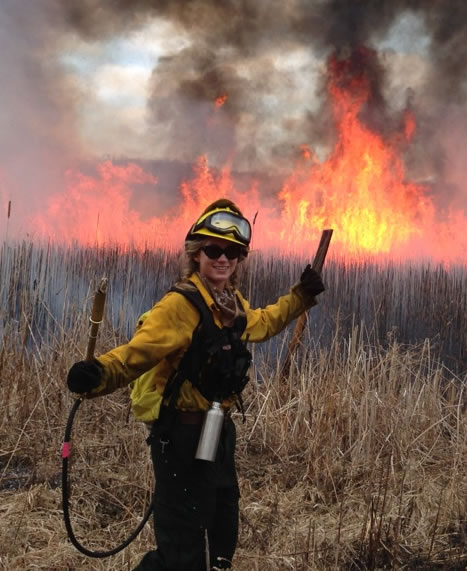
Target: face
(219,270)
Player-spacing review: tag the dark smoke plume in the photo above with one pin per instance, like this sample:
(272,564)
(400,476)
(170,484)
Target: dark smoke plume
(233,49)
(250,28)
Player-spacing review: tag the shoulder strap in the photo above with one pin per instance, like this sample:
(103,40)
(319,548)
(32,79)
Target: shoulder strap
(195,298)
(174,383)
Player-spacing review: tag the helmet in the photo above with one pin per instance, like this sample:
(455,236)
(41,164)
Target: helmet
(222,223)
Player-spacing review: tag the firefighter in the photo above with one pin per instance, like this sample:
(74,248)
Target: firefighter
(186,352)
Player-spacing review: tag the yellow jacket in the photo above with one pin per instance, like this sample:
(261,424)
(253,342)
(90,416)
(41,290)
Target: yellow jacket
(157,347)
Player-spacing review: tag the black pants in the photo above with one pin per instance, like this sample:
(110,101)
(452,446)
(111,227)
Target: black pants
(195,502)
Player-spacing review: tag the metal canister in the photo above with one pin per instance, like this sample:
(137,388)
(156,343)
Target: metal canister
(210,433)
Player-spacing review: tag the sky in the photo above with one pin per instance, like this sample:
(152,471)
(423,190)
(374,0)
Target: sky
(136,81)
(115,77)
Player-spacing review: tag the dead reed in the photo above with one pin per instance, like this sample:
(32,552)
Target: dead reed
(356,461)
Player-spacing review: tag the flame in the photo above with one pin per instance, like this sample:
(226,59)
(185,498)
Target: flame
(361,190)
(409,125)
(220,100)
(306,152)
(96,210)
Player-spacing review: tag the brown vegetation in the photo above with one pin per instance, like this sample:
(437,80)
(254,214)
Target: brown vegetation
(356,461)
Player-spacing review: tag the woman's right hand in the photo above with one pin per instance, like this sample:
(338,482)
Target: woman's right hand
(84,376)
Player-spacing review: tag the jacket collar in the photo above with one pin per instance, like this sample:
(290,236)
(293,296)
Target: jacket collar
(203,291)
(194,278)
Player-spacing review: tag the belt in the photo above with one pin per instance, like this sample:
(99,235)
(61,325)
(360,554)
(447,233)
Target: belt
(187,417)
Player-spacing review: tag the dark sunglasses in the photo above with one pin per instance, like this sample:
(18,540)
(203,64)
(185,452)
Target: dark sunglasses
(231,252)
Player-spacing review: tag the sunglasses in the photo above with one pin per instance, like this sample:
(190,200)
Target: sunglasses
(231,252)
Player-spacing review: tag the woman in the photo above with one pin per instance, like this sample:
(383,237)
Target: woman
(187,352)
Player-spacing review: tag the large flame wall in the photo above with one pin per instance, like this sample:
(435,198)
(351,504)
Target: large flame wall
(361,190)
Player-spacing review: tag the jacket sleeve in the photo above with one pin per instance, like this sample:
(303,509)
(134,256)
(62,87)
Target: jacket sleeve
(167,330)
(264,323)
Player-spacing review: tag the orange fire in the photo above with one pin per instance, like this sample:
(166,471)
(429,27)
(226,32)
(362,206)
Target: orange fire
(220,100)
(361,191)
(96,210)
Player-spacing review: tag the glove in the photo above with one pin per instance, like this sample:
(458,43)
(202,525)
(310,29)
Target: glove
(310,282)
(84,376)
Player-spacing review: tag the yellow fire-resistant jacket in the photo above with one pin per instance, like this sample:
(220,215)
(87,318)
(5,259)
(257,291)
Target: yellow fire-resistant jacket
(157,347)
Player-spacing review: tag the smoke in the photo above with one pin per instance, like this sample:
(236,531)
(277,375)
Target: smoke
(36,109)
(235,48)
(268,58)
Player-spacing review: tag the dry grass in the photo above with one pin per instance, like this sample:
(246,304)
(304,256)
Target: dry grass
(356,461)
(363,455)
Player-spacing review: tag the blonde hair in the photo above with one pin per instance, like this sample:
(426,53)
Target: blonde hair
(190,265)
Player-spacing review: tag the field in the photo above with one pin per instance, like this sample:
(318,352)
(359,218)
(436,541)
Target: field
(357,459)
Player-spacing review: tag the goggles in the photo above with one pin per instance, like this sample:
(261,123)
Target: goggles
(232,251)
(223,223)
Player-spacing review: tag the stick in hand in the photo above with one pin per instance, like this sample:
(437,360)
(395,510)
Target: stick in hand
(97,314)
(317,265)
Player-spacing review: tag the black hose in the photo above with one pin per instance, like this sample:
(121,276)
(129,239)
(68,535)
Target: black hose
(65,498)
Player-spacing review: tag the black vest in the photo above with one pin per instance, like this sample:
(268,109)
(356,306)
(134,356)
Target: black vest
(217,361)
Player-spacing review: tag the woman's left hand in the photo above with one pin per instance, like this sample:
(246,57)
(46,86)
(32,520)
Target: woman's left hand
(310,282)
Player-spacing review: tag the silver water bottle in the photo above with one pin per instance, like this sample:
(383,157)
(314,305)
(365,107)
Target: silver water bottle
(210,433)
